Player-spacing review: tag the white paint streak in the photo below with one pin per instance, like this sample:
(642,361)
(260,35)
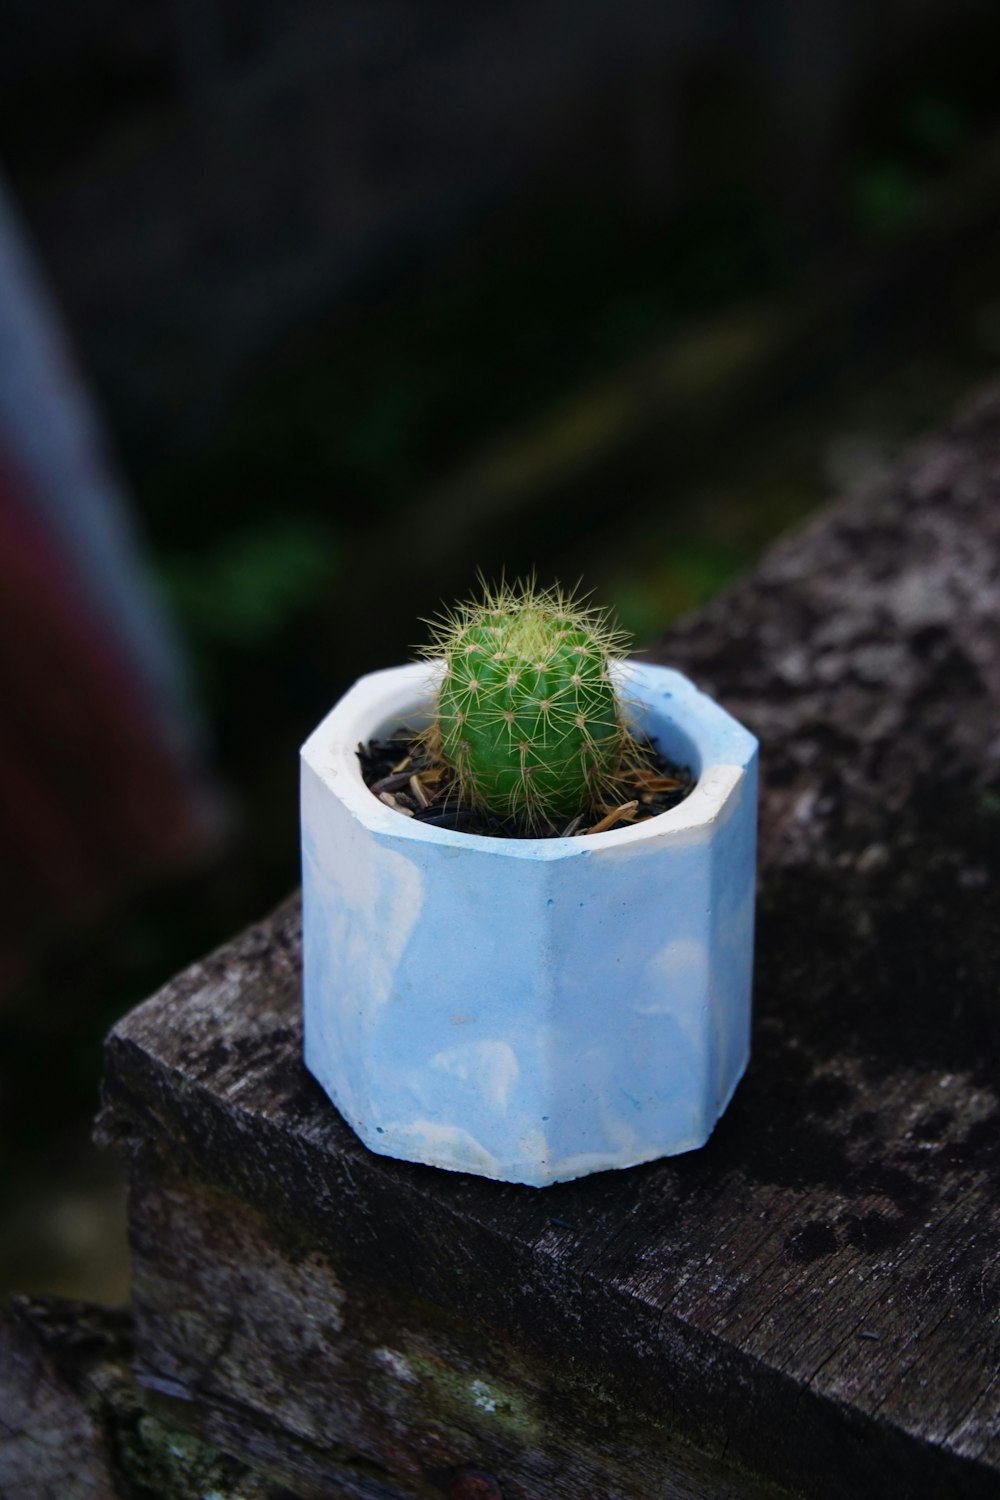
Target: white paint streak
(389,884)
(568,1167)
(534,1147)
(677,970)
(490,1066)
(445,1145)
(402,893)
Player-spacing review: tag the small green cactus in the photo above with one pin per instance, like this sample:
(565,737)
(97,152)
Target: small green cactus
(528,719)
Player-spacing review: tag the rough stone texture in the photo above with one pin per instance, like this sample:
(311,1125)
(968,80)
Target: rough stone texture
(810,1302)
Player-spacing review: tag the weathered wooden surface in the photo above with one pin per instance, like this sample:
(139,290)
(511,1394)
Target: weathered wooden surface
(811,1301)
(74,1426)
(51,1443)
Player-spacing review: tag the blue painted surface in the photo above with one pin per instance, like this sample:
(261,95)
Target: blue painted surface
(530,1010)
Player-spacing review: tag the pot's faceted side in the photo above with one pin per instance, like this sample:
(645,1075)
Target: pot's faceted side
(528,1009)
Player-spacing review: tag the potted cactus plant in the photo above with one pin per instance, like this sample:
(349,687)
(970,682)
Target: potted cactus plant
(542,981)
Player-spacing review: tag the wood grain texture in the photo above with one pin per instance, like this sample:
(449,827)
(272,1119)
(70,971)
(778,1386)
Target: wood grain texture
(330,1378)
(52,1446)
(75,1426)
(809,1302)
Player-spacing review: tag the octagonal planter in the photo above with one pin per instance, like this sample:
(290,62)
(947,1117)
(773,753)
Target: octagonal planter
(529,1009)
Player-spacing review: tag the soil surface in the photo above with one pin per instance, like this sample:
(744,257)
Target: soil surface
(403,773)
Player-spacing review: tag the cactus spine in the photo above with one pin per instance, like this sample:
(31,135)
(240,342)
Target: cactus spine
(527,715)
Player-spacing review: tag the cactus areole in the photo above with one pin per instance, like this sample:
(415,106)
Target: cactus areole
(527,715)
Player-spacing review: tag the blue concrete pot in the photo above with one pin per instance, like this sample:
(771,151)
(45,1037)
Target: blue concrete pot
(529,1009)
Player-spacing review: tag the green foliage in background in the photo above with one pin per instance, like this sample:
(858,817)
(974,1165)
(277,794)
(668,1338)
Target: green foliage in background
(245,590)
(888,191)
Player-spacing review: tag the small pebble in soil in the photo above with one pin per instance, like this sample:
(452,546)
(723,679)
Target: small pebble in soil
(401,772)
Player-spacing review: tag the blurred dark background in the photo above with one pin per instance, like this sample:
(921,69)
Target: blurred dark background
(366,297)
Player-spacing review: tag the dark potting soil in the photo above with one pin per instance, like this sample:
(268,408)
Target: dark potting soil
(403,773)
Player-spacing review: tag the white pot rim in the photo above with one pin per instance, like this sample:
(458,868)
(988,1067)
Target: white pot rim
(395,695)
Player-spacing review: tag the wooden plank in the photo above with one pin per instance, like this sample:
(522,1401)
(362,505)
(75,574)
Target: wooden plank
(74,1426)
(50,1443)
(811,1300)
(325,1375)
